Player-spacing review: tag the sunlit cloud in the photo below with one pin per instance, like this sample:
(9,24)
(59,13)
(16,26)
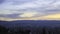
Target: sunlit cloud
(28,14)
(52,16)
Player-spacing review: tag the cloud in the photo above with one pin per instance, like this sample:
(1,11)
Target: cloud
(1,1)
(51,17)
(10,15)
(33,4)
(47,17)
(41,4)
(41,7)
(5,12)
(28,14)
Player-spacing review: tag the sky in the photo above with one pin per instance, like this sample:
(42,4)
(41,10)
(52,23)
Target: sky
(48,9)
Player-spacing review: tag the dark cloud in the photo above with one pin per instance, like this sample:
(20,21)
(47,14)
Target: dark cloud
(1,1)
(10,15)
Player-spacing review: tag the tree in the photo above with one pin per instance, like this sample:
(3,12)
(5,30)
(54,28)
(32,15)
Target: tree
(3,30)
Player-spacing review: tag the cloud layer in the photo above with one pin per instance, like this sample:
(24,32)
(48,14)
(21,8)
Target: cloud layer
(20,8)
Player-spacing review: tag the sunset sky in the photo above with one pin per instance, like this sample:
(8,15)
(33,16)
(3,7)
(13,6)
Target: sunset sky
(30,9)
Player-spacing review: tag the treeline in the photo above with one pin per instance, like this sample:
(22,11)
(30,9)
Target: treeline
(4,30)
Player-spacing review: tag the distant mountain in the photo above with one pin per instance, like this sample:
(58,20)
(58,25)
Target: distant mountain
(29,23)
